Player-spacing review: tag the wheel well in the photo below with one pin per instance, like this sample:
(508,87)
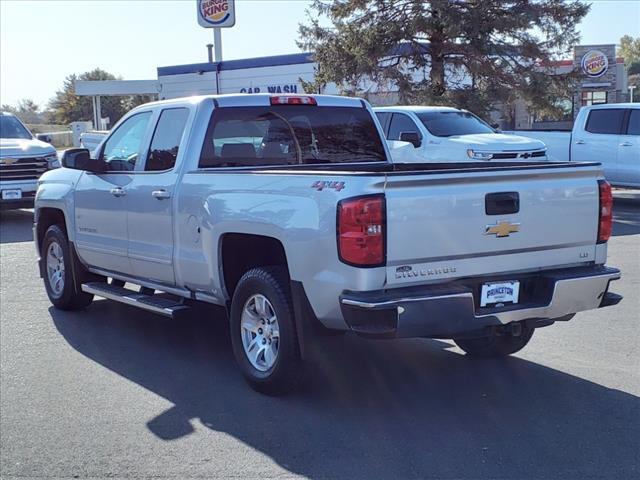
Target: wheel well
(48,217)
(241,252)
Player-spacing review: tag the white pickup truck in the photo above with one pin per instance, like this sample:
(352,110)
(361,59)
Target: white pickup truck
(286,211)
(23,158)
(418,134)
(609,134)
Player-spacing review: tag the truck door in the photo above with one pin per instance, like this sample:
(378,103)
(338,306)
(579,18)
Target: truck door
(628,168)
(151,200)
(101,199)
(598,141)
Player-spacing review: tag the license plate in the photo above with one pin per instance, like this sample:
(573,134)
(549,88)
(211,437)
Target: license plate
(11,194)
(499,292)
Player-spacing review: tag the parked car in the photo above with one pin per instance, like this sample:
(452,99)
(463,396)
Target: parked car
(286,211)
(445,134)
(609,134)
(23,158)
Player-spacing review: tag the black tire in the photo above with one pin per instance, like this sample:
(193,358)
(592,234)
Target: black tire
(69,297)
(496,345)
(273,284)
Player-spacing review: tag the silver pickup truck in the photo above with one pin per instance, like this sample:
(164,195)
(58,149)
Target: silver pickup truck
(23,159)
(286,211)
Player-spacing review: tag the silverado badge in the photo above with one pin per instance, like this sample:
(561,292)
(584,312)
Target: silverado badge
(502,229)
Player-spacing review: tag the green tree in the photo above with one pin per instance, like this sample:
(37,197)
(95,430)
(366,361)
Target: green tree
(630,50)
(27,110)
(68,107)
(467,53)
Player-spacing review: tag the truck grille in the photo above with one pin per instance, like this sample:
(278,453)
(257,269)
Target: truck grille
(523,155)
(28,168)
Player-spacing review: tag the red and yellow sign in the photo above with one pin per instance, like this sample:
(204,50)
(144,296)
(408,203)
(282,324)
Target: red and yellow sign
(216,13)
(594,63)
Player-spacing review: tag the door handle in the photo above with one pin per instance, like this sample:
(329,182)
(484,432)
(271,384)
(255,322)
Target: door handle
(160,194)
(118,192)
(580,142)
(626,144)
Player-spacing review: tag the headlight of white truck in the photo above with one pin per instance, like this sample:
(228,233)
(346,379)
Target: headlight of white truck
(52,160)
(479,155)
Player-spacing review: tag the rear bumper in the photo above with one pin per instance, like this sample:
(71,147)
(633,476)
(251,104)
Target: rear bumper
(450,310)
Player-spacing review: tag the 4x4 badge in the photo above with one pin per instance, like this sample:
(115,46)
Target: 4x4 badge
(321,184)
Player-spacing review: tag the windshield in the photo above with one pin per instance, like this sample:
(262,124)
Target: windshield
(448,124)
(10,127)
(291,134)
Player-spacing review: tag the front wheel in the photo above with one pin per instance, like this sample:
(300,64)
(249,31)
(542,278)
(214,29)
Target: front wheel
(58,274)
(263,331)
(497,344)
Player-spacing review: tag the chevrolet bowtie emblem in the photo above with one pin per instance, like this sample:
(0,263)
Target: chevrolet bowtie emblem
(502,229)
(8,161)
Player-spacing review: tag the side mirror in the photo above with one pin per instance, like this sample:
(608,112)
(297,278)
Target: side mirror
(496,127)
(412,138)
(43,137)
(80,159)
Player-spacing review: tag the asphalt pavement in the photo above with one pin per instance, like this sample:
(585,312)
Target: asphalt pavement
(113,392)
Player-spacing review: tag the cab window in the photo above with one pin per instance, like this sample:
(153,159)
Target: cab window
(634,122)
(166,139)
(401,123)
(290,135)
(605,121)
(121,150)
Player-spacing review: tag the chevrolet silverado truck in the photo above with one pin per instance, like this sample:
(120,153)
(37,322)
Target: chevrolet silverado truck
(419,134)
(23,159)
(286,211)
(608,133)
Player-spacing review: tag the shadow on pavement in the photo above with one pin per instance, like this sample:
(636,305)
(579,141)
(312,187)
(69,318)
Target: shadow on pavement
(16,225)
(626,215)
(371,409)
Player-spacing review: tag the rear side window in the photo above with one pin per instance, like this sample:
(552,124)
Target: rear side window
(603,121)
(166,139)
(401,123)
(383,118)
(634,123)
(290,135)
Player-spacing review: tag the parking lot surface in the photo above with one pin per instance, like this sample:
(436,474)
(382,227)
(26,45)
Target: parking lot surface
(115,392)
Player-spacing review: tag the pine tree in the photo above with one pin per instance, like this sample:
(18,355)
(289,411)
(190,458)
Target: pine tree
(470,53)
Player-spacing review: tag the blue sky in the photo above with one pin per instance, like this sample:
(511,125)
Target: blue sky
(41,42)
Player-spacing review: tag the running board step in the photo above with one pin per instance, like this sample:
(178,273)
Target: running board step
(152,303)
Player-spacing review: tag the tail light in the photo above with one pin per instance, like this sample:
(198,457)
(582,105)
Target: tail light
(361,231)
(293,100)
(606,211)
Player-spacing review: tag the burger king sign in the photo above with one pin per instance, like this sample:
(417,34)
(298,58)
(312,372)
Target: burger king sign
(216,13)
(594,63)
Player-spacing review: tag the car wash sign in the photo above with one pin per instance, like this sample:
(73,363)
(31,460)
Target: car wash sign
(216,13)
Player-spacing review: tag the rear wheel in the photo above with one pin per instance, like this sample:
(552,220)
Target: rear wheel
(497,344)
(263,331)
(58,272)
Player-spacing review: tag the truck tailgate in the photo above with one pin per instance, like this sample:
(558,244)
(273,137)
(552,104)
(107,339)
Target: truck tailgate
(444,225)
